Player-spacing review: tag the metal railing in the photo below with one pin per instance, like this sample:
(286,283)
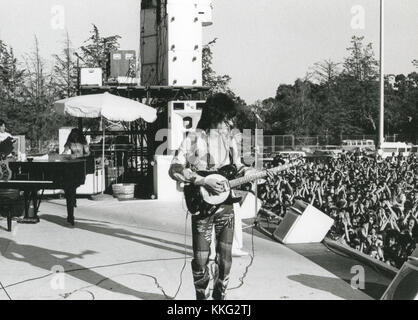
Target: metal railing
(276,143)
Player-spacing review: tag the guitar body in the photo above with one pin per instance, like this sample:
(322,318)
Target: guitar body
(198,199)
(215,199)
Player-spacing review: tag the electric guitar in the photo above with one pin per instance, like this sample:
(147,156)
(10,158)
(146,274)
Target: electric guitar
(199,199)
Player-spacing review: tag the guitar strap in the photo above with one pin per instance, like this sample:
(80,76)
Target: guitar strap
(208,159)
(207,210)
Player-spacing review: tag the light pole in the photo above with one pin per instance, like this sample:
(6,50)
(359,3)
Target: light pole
(382,78)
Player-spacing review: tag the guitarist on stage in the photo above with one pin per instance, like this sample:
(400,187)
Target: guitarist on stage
(210,148)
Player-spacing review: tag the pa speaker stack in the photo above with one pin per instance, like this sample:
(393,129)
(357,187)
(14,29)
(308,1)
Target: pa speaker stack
(303,223)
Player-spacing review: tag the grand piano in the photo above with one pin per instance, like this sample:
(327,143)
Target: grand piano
(33,177)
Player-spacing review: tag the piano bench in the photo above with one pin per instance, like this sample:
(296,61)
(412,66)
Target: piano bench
(11,205)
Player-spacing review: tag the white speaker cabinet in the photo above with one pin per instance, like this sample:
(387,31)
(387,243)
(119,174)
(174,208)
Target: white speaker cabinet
(303,223)
(91,77)
(93,184)
(165,188)
(183,117)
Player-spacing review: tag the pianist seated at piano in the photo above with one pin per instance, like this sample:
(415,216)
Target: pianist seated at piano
(6,141)
(3,134)
(76,144)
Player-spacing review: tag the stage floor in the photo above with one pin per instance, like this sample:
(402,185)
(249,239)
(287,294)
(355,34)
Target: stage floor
(136,250)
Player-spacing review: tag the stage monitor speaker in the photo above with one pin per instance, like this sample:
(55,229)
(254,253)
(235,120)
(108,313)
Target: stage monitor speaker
(183,117)
(93,184)
(303,223)
(405,285)
(165,188)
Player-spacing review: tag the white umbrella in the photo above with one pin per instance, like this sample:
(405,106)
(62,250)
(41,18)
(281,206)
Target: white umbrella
(105,105)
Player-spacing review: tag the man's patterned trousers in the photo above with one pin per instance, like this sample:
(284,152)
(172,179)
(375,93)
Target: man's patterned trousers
(223,221)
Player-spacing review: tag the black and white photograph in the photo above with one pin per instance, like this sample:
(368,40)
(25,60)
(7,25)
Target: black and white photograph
(183,150)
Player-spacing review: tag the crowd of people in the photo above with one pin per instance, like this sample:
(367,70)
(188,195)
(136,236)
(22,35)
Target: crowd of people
(374,202)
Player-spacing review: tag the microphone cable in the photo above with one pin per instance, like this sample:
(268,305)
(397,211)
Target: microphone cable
(185,250)
(5,291)
(66,295)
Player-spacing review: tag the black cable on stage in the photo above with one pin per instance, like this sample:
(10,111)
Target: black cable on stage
(66,295)
(146,275)
(140,274)
(252,256)
(29,280)
(4,289)
(185,255)
(102,280)
(91,268)
(118,264)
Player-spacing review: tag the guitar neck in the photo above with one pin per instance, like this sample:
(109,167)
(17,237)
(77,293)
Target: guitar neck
(260,175)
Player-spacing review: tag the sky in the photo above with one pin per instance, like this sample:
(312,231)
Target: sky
(261,44)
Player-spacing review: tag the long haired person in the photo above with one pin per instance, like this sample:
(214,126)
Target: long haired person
(208,149)
(77,144)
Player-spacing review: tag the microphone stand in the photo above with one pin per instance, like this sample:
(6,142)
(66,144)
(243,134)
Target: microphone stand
(256,152)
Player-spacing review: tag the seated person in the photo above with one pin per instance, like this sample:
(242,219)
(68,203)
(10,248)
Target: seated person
(6,147)
(77,144)
(3,134)
(6,141)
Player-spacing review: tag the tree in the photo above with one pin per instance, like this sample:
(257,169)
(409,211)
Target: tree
(39,97)
(65,71)
(95,53)
(216,83)
(295,111)
(358,85)
(11,89)
(220,83)
(361,63)
(401,106)
(326,71)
